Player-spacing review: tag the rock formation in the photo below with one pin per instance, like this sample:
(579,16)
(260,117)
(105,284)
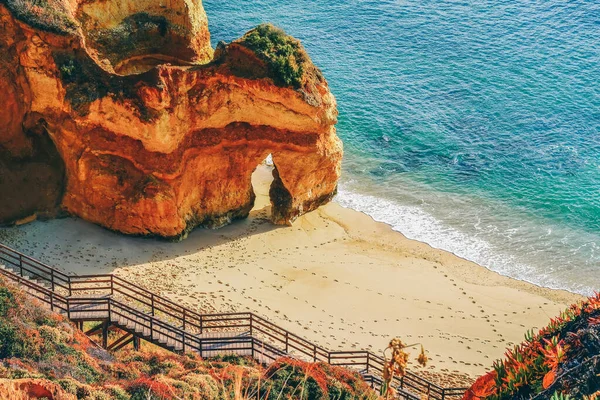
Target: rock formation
(121,113)
(27,389)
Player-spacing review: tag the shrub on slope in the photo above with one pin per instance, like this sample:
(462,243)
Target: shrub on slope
(284,55)
(562,361)
(44,347)
(35,343)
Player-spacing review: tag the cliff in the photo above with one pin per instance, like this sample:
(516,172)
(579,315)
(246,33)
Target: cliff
(119,112)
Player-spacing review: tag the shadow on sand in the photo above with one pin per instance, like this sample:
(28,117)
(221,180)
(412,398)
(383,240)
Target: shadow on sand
(77,246)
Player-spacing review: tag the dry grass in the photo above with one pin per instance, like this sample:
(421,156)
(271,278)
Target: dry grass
(48,15)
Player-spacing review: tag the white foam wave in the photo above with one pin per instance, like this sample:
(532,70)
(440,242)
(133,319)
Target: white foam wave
(415,223)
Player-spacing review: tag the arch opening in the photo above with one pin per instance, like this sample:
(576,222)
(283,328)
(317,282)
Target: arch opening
(262,179)
(33,184)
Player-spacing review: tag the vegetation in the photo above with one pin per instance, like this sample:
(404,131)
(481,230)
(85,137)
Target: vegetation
(46,15)
(86,82)
(284,55)
(396,365)
(35,343)
(562,361)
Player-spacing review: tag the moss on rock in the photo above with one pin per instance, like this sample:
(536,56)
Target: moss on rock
(85,82)
(140,34)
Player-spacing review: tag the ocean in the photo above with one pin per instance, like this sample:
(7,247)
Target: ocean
(473,126)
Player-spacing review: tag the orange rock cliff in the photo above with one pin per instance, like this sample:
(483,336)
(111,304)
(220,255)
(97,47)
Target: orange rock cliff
(121,113)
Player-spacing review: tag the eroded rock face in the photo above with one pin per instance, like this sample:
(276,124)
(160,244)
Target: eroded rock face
(118,111)
(27,389)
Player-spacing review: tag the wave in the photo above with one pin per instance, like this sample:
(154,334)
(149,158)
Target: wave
(417,224)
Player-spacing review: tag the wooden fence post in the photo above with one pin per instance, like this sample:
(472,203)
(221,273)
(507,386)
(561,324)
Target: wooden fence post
(21,264)
(52,279)
(368,361)
(105,334)
(152,301)
(287,337)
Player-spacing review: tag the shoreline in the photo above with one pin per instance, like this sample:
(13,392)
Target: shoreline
(433,247)
(516,245)
(354,281)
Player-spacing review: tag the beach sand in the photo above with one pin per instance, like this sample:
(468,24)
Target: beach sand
(335,277)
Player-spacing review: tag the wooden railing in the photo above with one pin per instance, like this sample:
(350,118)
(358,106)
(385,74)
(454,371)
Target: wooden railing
(112,297)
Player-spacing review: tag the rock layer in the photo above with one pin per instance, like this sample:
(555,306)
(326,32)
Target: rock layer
(120,113)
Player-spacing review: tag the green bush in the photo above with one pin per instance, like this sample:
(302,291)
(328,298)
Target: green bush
(51,335)
(145,388)
(284,55)
(7,301)
(290,381)
(117,392)
(8,340)
(206,385)
(69,385)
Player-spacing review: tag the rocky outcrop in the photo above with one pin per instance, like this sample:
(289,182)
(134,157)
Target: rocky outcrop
(27,389)
(121,113)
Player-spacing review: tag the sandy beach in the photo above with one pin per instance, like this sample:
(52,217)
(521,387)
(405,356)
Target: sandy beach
(336,277)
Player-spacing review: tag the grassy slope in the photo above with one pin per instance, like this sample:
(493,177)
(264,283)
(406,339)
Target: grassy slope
(562,361)
(35,343)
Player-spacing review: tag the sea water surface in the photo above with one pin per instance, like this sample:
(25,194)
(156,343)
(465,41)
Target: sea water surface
(473,126)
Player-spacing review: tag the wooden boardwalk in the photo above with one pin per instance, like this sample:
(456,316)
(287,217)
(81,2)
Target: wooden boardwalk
(116,303)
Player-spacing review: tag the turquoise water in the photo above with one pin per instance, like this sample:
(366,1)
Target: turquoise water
(471,125)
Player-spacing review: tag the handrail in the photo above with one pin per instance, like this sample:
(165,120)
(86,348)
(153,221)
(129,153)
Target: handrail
(263,339)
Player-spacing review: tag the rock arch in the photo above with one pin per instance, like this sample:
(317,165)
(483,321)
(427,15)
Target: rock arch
(157,150)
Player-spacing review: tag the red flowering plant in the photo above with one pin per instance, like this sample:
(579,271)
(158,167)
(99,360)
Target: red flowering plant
(563,359)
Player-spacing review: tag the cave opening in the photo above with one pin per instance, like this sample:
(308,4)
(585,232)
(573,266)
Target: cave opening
(262,178)
(32,184)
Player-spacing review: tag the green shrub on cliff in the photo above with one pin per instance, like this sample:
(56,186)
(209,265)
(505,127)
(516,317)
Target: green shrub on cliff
(8,338)
(284,55)
(35,342)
